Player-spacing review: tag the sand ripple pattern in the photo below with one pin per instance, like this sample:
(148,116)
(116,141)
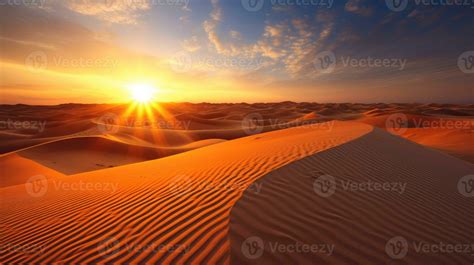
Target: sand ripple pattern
(166,211)
(359,224)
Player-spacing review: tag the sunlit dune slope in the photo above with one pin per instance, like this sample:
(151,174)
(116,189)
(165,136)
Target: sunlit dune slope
(180,202)
(16,170)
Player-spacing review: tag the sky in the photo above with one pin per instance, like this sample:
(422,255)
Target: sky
(93,51)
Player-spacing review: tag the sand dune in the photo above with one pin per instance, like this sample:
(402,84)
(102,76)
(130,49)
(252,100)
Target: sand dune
(143,210)
(180,127)
(456,142)
(82,154)
(17,170)
(353,226)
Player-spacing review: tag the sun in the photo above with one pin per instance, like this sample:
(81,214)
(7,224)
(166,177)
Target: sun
(142,92)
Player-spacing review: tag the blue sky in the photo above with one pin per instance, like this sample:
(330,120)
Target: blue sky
(421,44)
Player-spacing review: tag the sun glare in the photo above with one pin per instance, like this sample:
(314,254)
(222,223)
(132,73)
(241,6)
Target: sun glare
(142,93)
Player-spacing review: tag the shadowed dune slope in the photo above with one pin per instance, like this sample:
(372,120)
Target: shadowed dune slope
(82,154)
(174,210)
(288,210)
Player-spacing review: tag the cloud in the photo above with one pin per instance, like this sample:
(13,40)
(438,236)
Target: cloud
(191,45)
(210,27)
(274,30)
(235,35)
(115,11)
(358,7)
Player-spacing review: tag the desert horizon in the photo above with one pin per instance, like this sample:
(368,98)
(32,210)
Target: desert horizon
(236,132)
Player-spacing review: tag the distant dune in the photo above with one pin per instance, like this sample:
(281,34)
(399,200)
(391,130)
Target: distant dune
(183,127)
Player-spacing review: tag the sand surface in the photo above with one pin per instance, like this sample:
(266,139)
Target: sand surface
(180,202)
(348,225)
(189,183)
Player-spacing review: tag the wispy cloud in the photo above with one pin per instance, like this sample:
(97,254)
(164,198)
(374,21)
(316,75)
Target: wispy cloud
(359,7)
(120,12)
